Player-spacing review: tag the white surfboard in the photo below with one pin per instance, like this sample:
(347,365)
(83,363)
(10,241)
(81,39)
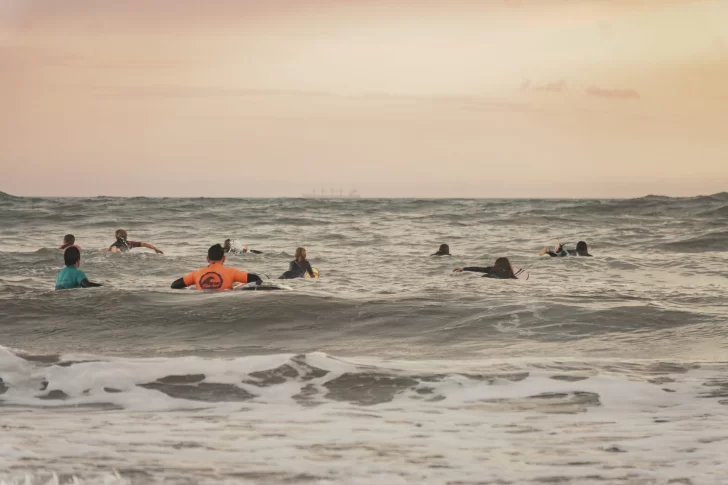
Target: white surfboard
(264,286)
(521,273)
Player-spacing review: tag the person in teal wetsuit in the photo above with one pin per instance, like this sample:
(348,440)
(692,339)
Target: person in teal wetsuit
(71,277)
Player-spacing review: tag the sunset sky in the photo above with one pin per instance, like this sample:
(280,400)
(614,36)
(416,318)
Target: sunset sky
(243,98)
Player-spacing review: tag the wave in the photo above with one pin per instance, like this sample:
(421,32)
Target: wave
(307,380)
(5,197)
(648,206)
(714,241)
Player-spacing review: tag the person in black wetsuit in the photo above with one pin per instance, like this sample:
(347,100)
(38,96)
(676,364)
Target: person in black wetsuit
(443,251)
(228,247)
(581,250)
(501,269)
(122,244)
(298,267)
(560,251)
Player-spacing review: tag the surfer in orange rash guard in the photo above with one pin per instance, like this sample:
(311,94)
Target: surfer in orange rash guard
(215,276)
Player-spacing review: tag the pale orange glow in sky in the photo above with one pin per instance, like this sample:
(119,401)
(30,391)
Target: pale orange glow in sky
(502,98)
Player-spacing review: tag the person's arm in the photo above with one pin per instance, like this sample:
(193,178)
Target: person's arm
(254,277)
(150,246)
(309,269)
(243,277)
(178,284)
(85,283)
(184,282)
(475,269)
(255,251)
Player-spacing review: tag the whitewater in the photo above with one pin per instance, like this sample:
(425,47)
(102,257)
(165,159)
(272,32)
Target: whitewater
(388,369)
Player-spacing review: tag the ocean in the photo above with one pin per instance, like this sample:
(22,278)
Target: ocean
(390,368)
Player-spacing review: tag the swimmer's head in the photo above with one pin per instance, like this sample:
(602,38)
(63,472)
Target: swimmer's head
(226,245)
(444,249)
(216,254)
(121,234)
(582,249)
(502,268)
(68,240)
(72,256)
(300,254)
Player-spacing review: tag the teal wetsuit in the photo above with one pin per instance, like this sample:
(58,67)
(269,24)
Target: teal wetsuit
(69,277)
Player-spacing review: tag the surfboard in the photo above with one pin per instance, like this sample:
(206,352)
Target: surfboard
(265,286)
(315,274)
(521,273)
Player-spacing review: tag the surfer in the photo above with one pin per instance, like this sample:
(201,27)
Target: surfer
(215,276)
(299,267)
(123,245)
(560,251)
(443,251)
(227,246)
(69,240)
(70,276)
(501,269)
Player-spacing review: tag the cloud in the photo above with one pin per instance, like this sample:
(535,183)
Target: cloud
(620,94)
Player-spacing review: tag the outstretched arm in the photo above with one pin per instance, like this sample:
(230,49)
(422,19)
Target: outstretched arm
(151,246)
(475,269)
(85,283)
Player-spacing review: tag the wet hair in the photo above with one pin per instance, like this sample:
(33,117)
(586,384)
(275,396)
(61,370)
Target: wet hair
(299,252)
(226,245)
(121,234)
(581,248)
(71,256)
(215,253)
(68,240)
(444,249)
(502,269)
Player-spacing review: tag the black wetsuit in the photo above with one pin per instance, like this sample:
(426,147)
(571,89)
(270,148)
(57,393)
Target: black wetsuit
(574,252)
(254,251)
(566,252)
(124,245)
(297,270)
(440,254)
(489,273)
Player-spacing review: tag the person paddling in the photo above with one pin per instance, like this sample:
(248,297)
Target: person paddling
(443,251)
(215,276)
(501,269)
(299,267)
(122,244)
(71,277)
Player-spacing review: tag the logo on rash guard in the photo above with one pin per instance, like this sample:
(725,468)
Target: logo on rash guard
(211,281)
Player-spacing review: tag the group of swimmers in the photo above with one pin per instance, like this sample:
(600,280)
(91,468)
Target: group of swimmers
(212,277)
(216,276)
(502,268)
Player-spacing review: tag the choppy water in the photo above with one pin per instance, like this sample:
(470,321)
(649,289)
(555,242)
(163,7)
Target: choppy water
(390,368)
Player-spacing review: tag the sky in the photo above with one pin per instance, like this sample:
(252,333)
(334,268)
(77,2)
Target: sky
(394,98)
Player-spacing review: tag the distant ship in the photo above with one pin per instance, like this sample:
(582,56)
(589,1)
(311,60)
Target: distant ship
(332,194)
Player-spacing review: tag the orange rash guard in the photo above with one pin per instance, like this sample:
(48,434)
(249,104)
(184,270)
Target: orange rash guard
(215,277)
